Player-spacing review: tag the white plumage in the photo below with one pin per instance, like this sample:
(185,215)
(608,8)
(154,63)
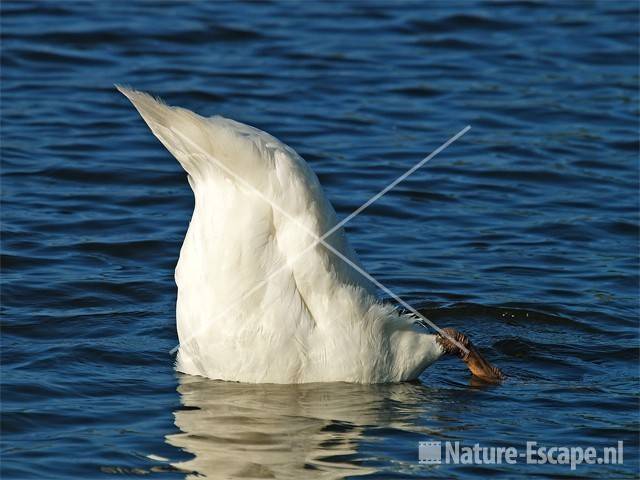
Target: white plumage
(255,303)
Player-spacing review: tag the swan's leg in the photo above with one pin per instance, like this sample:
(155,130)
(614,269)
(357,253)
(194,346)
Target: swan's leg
(477,364)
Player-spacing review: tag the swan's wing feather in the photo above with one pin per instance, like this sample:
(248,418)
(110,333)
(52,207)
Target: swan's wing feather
(205,145)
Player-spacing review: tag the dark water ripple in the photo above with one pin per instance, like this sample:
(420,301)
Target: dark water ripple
(524,232)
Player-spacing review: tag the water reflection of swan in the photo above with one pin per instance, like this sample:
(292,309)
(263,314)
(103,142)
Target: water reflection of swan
(239,430)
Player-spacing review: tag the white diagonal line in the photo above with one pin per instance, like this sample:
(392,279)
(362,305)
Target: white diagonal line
(328,233)
(400,178)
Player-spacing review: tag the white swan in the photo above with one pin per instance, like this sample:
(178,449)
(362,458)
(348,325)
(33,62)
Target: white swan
(255,303)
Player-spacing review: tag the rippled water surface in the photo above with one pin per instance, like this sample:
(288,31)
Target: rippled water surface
(524,233)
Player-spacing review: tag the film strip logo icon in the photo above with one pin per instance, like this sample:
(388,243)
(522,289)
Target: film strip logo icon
(430,453)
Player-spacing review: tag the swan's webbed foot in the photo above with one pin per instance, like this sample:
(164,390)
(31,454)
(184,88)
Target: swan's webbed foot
(455,343)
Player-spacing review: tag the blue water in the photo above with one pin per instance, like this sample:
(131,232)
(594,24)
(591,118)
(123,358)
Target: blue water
(523,234)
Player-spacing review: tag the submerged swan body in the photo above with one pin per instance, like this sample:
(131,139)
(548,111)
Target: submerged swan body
(256,301)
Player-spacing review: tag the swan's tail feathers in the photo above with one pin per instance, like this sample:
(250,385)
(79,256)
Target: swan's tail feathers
(203,146)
